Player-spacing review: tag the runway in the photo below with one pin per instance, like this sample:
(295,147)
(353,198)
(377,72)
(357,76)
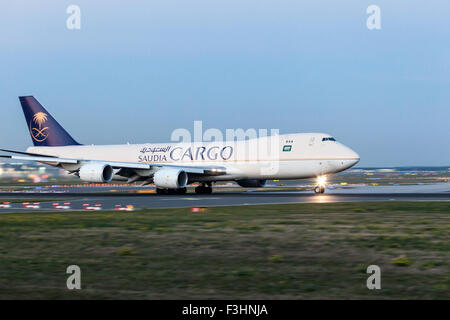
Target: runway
(111,201)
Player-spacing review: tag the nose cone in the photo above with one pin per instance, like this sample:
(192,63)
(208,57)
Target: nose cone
(352,158)
(348,157)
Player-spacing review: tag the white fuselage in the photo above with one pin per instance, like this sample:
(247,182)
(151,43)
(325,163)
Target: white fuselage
(289,156)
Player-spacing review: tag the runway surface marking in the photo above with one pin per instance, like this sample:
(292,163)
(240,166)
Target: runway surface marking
(108,201)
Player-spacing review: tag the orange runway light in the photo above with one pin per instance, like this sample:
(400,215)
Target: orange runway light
(199,209)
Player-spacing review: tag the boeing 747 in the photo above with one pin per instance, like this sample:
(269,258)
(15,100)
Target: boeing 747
(173,166)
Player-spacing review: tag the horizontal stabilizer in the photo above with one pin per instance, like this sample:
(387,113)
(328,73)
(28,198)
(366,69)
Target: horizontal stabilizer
(25,153)
(40,159)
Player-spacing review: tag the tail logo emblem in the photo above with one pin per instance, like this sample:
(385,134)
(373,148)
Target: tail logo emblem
(37,129)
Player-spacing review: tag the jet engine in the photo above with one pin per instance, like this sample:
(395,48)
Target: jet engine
(170,178)
(251,183)
(96,172)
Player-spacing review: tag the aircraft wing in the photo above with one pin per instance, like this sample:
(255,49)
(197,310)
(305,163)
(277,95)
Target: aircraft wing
(206,170)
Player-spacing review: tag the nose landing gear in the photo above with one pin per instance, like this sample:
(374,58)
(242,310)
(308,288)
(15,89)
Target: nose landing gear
(319,189)
(321,184)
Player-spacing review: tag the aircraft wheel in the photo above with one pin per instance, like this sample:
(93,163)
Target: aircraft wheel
(171,191)
(161,191)
(319,189)
(199,190)
(181,190)
(203,190)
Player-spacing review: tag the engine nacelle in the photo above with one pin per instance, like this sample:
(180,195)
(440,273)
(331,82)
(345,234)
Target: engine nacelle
(251,183)
(170,178)
(96,172)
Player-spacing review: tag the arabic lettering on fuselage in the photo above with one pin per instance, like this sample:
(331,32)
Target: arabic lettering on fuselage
(155,149)
(161,154)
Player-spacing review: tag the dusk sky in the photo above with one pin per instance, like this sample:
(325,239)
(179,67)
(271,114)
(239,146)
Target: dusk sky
(137,70)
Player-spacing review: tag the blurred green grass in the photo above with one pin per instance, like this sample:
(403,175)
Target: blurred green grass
(298,251)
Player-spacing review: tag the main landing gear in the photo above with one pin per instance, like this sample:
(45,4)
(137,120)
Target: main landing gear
(203,189)
(171,191)
(321,184)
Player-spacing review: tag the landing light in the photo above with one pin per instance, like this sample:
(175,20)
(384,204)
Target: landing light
(321,180)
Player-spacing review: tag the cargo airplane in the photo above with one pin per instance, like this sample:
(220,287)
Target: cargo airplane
(173,166)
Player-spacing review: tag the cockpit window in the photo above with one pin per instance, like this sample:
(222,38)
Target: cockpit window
(328,139)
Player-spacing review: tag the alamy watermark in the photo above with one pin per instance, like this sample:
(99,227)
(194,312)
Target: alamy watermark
(74,280)
(73,22)
(250,145)
(373,22)
(374,280)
